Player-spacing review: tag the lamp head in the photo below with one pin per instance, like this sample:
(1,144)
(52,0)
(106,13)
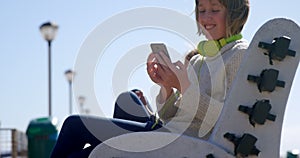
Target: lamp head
(49,30)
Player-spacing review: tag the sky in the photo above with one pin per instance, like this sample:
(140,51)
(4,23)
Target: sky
(23,55)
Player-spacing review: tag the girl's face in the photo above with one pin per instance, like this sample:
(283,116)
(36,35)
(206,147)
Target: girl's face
(212,18)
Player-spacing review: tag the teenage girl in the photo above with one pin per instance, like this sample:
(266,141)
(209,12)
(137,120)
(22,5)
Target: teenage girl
(186,94)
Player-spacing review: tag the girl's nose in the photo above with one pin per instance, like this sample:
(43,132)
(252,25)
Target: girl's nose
(206,16)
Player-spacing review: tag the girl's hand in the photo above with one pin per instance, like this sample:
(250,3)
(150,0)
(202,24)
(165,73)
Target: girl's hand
(167,74)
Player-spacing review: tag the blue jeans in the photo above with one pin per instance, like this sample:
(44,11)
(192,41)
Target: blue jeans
(129,107)
(79,130)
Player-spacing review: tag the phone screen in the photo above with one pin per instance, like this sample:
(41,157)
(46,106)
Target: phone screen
(159,47)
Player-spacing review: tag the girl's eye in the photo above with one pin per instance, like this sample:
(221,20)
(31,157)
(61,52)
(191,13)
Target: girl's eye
(215,11)
(212,11)
(201,11)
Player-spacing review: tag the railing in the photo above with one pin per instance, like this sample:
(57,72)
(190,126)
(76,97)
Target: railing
(13,143)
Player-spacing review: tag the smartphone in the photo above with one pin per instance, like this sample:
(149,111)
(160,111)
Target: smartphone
(159,47)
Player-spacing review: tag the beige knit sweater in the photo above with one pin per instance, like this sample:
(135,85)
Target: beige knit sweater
(196,111)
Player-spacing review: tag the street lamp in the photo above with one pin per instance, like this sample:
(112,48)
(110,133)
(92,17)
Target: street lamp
(48,31)
(81,100)
(69,76)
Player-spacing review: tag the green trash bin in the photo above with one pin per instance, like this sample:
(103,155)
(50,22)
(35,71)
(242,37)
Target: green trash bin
(42,135)
(294,154)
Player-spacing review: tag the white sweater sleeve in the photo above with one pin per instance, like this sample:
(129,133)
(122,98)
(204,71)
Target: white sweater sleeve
(201,104)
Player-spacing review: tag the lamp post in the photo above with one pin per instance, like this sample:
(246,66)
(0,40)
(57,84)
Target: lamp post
(69,76)
(81,100)
(49,31)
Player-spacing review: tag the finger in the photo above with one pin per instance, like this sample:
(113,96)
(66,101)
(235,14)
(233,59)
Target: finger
(151,62)
(163,59)
(158,61)
(152,68)
(179,64)
(156,78)
(153,73)
(155,61)
(150,58)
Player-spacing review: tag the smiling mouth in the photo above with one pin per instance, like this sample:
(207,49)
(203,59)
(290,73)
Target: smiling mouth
(209,27)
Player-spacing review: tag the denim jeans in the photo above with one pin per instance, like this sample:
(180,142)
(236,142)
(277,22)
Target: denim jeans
(80,130)
(129,107)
